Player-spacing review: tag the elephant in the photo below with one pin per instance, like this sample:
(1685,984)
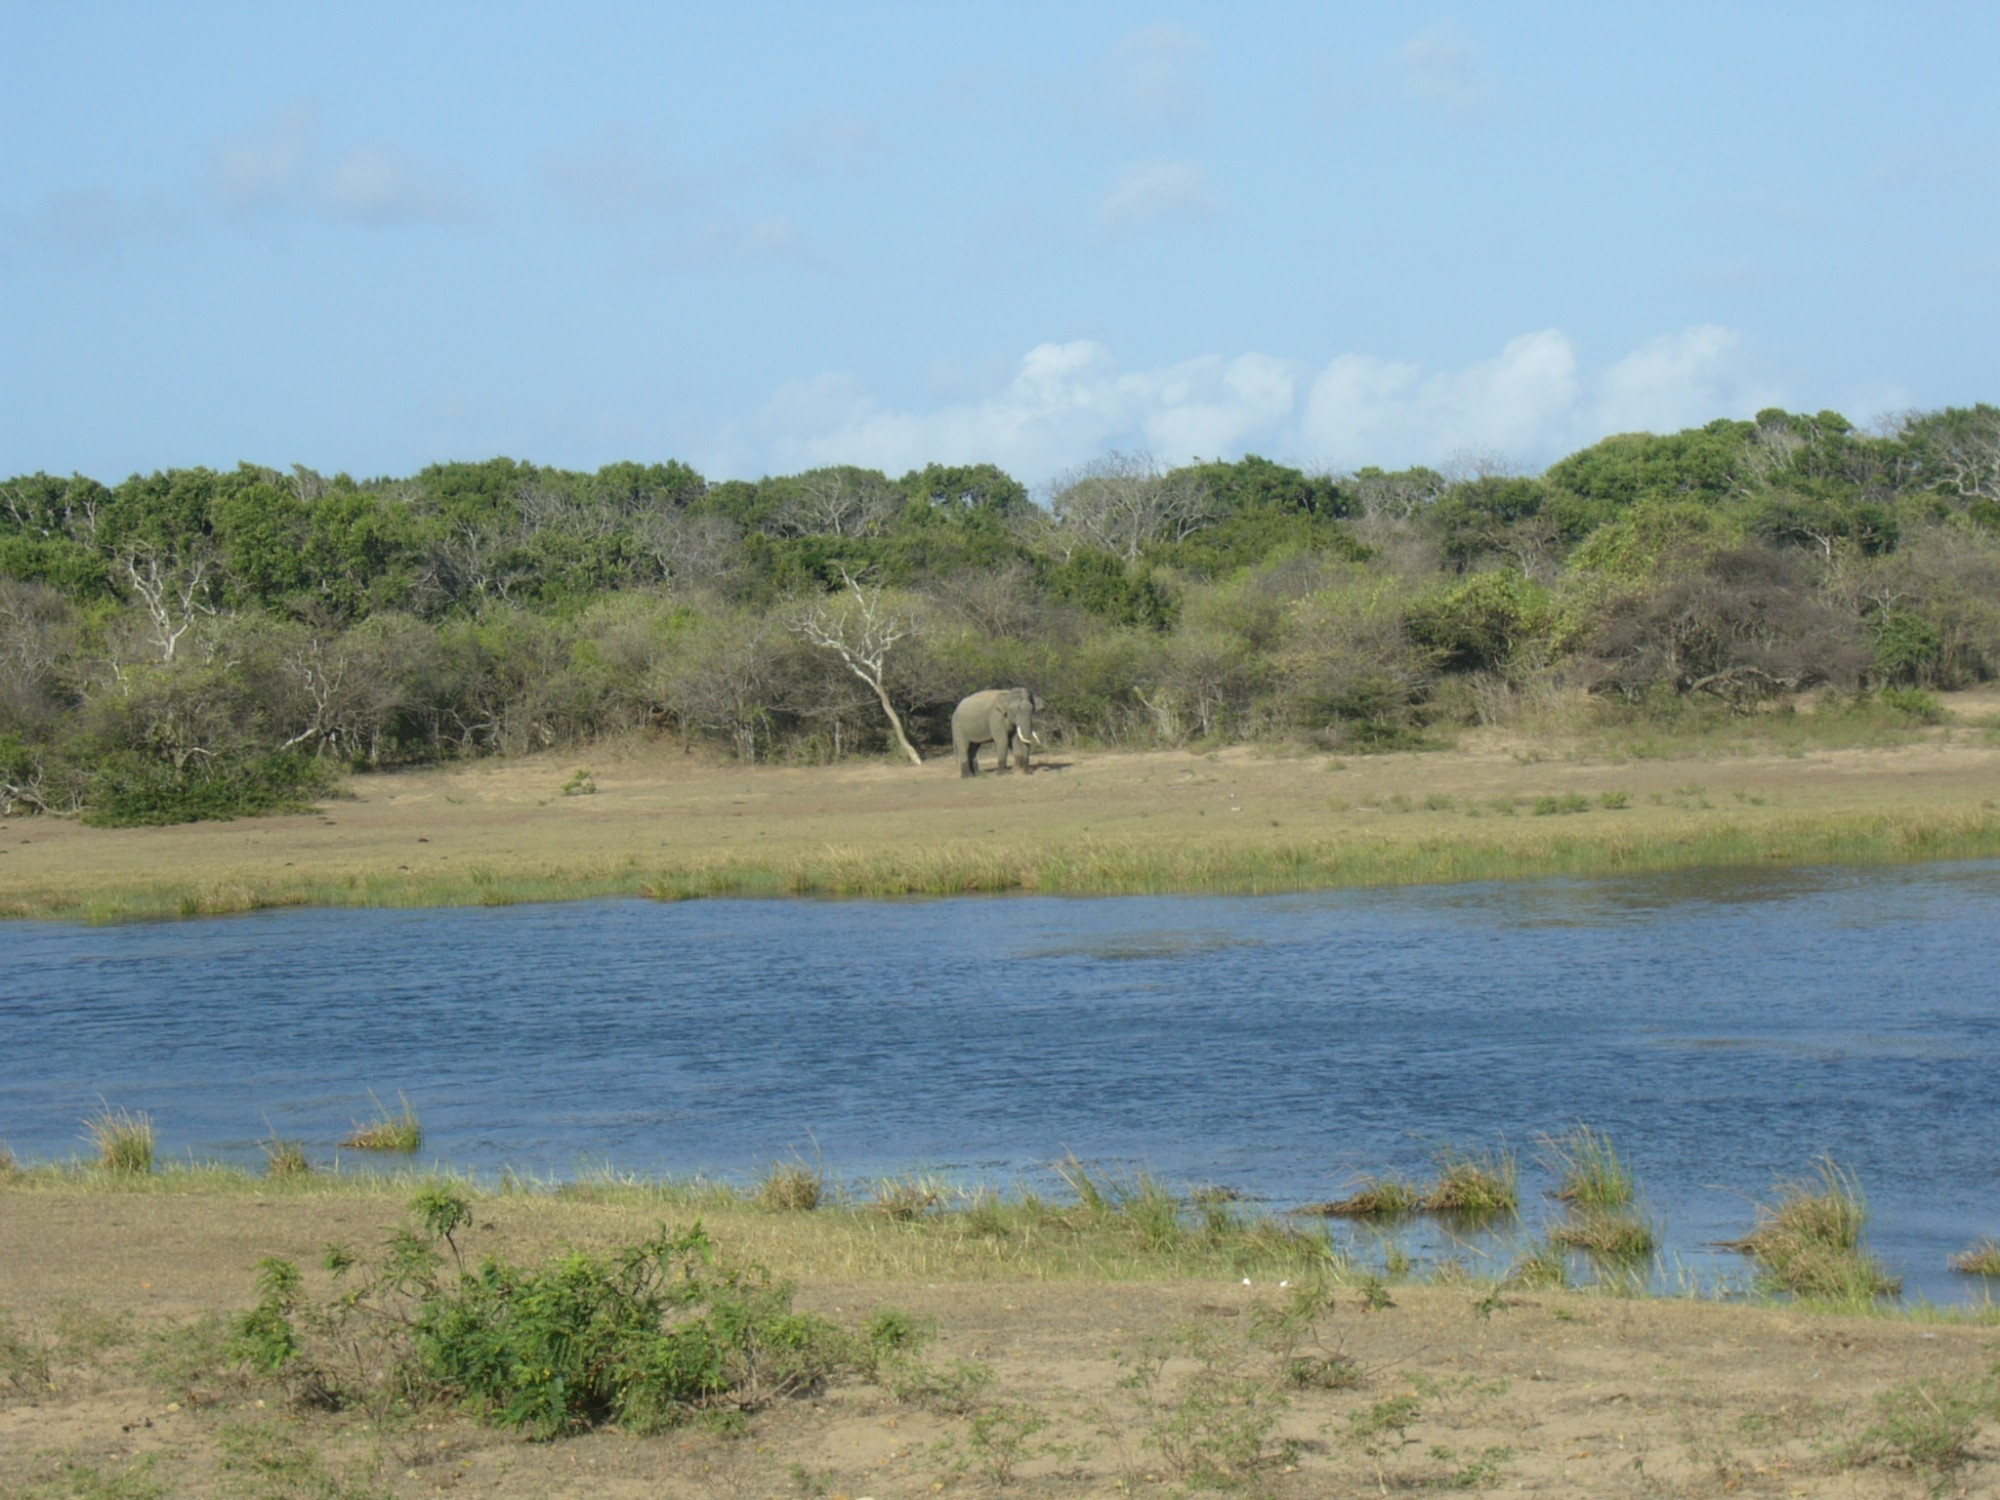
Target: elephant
(1001,717)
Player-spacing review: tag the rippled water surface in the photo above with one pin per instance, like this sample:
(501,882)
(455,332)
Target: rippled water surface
(1723,1029)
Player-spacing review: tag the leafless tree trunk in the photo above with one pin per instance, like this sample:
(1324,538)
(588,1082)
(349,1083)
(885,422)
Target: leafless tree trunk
(861,631)
(171,588)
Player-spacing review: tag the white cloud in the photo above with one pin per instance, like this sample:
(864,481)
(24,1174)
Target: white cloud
(1367,410)
(1065,404)
(1155,191)
(1676,380)
(376,184)
(1534,402)
(1440,68)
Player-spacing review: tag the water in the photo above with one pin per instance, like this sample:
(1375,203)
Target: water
(1724,1030)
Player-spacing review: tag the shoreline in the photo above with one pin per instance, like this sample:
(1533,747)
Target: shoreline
(665,826)
(871,1213)
(117,1309)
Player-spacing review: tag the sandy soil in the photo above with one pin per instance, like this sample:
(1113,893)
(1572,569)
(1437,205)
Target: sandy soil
(1561,1393)
(1553,1392)
(656,809)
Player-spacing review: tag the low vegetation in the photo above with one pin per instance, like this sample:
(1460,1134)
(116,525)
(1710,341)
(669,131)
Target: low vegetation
(1981,1259)
(197,644)
(1475,1185)
(123,1140)
(650,1336)
(1588,1170)
(1808,1241)
(398,1132)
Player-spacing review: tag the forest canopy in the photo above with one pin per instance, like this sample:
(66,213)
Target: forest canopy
(194,643)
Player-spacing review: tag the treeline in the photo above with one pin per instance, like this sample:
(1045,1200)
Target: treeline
(191,642)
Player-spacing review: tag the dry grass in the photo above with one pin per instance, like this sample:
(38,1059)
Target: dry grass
(123,1139)
(1606,1233)
(1376,1198)
(1980,1259)
(1808,1242)
(400,1132)
(1475,1185)
(793,1187)
(285,1159)
(490,833)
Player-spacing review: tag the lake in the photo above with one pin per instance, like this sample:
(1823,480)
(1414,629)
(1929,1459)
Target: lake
(1723,1029)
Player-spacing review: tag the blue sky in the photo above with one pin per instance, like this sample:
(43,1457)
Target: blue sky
(760,237)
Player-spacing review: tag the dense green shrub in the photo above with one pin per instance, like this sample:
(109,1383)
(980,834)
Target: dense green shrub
(127,789)
(646,1337)
(161,638)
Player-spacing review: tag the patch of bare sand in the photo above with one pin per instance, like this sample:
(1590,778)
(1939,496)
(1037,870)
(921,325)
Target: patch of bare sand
(1561,1393)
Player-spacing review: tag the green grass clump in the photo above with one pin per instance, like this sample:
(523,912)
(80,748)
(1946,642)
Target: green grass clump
(1930,1424)
(1588,1170)
(1569,802)
(1475,1185)
(1808,1243)
(123,1140)
(1381,1198)
(1981,1259)
(285,1159)
(387,1132)
(791,1187)
(1606,1233)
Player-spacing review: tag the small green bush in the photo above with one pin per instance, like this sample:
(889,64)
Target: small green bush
(646,1337)
(129,790)
(1913,704)
(1568,803)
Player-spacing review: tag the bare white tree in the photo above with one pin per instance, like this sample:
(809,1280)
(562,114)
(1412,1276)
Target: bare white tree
(171,586)
(861,629)
(1122,502)
(691,551)
(838,501)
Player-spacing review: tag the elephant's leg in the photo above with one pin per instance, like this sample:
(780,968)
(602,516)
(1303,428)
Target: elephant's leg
(1003,746)
(967,753)
(1021,758)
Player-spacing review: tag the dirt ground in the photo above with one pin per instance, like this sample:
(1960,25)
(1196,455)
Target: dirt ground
(1560,1393)
(437,834)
